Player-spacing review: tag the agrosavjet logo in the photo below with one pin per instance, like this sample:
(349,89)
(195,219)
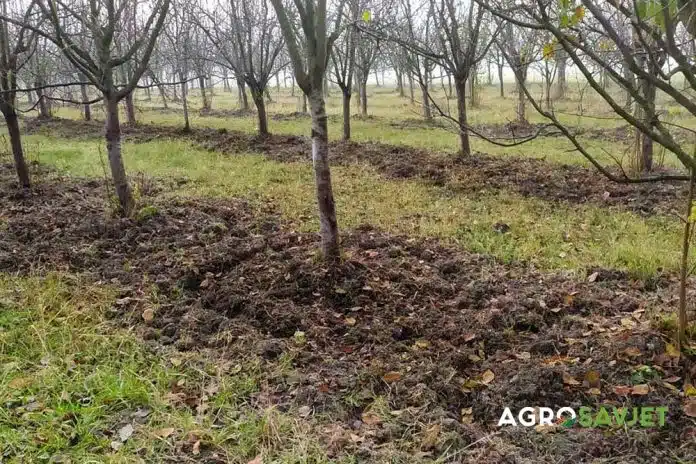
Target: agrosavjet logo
(602,416)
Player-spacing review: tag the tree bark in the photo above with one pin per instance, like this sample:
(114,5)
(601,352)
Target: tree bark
(130,109)
(427,114)
(399,82)
(184,100)
(304,104)
(113,148)
(257,96)
(320,157)
(241,95)
(684,267)
(346,113)
(410,88)
(521,104)
(17,152)
(377,78)
(363,97)
(44,110)
(86,109)
(464,145)
(204,96)
(561,82)
(500,80)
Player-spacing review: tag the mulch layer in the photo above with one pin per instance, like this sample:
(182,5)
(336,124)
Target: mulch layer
(447,338)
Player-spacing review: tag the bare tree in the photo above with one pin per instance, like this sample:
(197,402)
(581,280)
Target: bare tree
(310,70)
(100,25)
(16,43)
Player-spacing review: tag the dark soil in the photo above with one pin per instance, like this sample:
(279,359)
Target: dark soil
(409,320)
(473,174)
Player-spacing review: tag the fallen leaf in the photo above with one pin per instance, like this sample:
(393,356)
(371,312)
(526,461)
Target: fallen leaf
(627,322)
(469,336)
(592,379)
(467,415)
(196,450)
(176,362)
(569,379)
(370,418)
(672,379)
(125,432)
(690,408)
(594,391)
(546,428)
(304,411)
(257,460)
(391,377)
(672,351)
(593,277)
(640,390)
(632,352)
(116,445)
(689,390)
(350,321)
(164,433)
(622,390)
(524,355)
(422,344)
(19,383)
(487,377)
(431,436)
(148,315)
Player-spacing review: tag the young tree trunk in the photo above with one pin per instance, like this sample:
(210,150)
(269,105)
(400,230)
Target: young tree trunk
(521,104)
(464,145)
(44,110)
(684,267)
(427,114)
(561,83)
(377,78)
(257,96)
(204,96)
(363,97)
(241,95)
(184,101)
(473,88)
(130,109)
(399,82)
(320,157)
(304,104)
(489,81)
(346,113)
(148,93)
(292,85)
(631,78)
(410,88)
(16,142)
(113,148)
(30,98)
(500,80)
(87,109)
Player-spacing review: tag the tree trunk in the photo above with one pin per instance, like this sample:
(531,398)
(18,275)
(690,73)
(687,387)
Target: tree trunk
(87,109)
(346,113)
(464,145)
(399,82)
(16,141)
(473,88)
(257,96)
(320,158)
(304,103)
(44,110)
(113,148)
(684,267)
(377,78)
(561,83)
(242,96)
(204,96)
(521,104)
(292,85)
(130,109)
(410,88)
(500,80)
(489,81)
(184,101)
(631,78)
(427,114)
(363,98)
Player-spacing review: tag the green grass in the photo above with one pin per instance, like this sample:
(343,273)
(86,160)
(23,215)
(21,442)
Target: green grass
(70,381)
(550,235)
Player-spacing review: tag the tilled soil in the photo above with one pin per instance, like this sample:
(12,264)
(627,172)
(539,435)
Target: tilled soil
(476,173)
(431,329)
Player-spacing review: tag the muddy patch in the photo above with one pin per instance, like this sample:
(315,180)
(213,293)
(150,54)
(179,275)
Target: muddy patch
(405,341)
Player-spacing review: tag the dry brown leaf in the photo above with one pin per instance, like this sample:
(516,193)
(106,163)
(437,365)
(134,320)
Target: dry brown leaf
(690,408)
(593,277)
(672,379)
(391,376)
(672,351)
(592,379)
(640,390)
(569,379)
(370,418)
(632,352)
(422,344)
(622,390)
(350,321)
(431,436)
(196,450)
(257,460)
(165,432)
(594,391)
(148,315)
(487,377)
(19,382)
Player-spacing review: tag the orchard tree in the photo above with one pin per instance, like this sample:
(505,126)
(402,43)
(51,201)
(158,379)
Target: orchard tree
(310,70)
(16,43)
(659,30)
(89,33)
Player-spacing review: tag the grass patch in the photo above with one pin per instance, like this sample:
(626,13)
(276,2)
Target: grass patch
(70,382)
(549,235)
